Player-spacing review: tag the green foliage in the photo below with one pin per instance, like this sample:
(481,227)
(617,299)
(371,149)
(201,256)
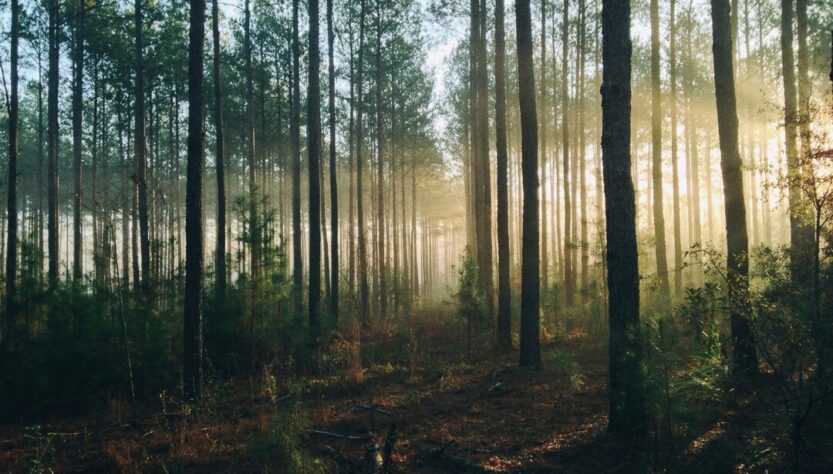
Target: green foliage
(280,447)
(42,447)
(471,303)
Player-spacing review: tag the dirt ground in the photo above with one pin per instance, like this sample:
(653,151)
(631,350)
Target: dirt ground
(438,410)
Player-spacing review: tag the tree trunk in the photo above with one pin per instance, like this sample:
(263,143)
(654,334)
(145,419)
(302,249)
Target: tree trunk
(54,143)
(542,118)
(744,357)
(530,345)
(77,111)
(331,104)
(504,313)
(219,158)
(254,221)
(656,154)
(314,156)
(381,261)
(800,229)
(192,344)
(11,237)
(626,396)
(364,291)
(678,245)
(140,150)
(295,143)
(569,276)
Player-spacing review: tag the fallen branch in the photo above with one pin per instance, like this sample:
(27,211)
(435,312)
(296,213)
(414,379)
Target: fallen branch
(337,435)
(357,405)
(342,459)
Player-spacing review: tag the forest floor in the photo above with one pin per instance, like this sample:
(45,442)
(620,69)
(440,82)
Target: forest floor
(417,393)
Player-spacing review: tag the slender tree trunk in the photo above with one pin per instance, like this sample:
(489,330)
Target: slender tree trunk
(569,275)
(625,391)
(219,158)
(11,237)
(530,346)
(314,157)
(542,136)
(678,245)
(295,143)
(140,148)
(656,154)
(54,143)
(504,314)
(364,290)
(484,196)
(744,357)
(381,261)
(582,151)
(800,229)
(192,344)
(77,111)
(334,242)
(254,222)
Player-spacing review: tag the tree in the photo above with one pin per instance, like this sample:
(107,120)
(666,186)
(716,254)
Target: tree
(504,312)
(530,345)
(480,169)
(364,290)
(140,149)
(254,225)
(380,256)
(77,114)
(656,154)
(569,273)
(219,157)
(11,237)
(672,77)
(331,105)
(801,233)
(314,152)
(192,332)
(744,356)
(627,416)
(295,144)
(53,137)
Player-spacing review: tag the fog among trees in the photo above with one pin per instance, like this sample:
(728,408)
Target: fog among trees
(416,236)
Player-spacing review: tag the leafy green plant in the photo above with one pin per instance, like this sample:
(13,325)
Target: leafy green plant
(280,447)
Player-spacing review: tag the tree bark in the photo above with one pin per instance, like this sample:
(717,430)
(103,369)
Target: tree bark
(192,344)
(656,154)
(504,314)
(11,196)
(314,157)
(54,143)
(254,221)
(334,241)
(625,379)
(77,114)
(295,144)
(140,149)
(219,158)
(744,357)
(530,345)
(364,290)
(801,236)
(675,174)
(569,275)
